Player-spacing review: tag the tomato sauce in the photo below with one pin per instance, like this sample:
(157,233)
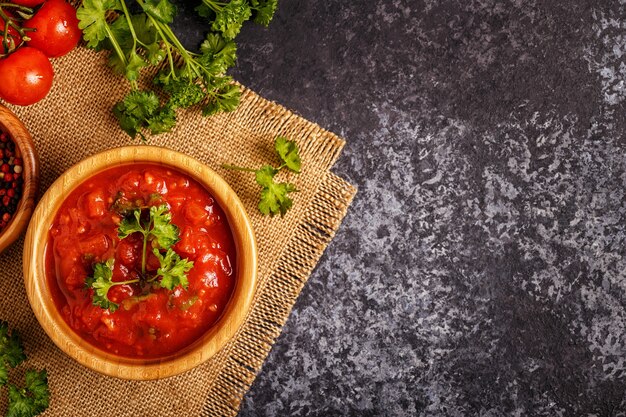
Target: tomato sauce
(148,323)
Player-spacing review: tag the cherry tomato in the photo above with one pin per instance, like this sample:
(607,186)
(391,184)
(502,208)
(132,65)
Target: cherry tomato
(14,37)
(57,30)
(28,3)
(26,76)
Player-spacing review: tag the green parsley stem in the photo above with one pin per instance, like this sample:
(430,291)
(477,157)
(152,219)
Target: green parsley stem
(213,5)
(116,45)
(168,45)
(236,168)
(130,23)
(132,281)
(143,255)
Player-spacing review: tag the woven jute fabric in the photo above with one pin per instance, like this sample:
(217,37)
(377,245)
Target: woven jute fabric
(75,121)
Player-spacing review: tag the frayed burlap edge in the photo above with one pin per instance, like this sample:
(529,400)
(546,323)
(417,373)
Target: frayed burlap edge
(275,299)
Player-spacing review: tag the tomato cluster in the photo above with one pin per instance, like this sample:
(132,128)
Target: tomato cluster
(31,32)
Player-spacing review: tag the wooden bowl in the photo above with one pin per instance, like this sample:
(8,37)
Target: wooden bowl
(71,343)
(10,124)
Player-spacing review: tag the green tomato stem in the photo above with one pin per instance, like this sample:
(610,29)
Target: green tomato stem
(8,21)
(5,37)
(17,6)
(143,254)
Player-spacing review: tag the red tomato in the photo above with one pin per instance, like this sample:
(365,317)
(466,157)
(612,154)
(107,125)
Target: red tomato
(14,37)
(95,204)
(195,212)
(56,26)
(26,76)
(28,3)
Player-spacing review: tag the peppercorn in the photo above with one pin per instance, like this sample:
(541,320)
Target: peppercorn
(11,178)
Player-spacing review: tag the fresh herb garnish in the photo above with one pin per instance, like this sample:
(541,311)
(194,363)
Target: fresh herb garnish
(11,351)
(173,269)
(158,226)
(157,230)
(32,399)
(188,78)
(275,195)
(101,282)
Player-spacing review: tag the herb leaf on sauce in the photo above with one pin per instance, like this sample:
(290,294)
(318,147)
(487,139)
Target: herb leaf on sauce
(275,197)
(173,269)
(101,282)
(158,229)
(164,231)
(158,226)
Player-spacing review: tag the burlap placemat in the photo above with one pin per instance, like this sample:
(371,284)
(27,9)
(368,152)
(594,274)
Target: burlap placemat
(75,121)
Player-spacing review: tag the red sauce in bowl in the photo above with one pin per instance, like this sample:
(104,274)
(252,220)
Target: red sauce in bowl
(147,324)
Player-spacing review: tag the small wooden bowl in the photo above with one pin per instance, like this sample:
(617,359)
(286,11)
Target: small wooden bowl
(10,124)
(71,343)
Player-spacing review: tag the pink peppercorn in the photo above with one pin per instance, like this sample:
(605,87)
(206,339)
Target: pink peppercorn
(11,181)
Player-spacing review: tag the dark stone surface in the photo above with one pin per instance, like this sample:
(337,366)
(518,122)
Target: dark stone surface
(480,270)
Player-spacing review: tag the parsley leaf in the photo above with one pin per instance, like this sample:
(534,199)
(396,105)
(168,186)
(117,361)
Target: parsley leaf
(225,99)
(101,282)
(264,11)
(155,226)
(162,10)
(11,351)
(182,93)
(144,38)
(288,152)
(92,20)
(31,400)
(173,269)
(229,19)
(164,231)
(136,110)
(130,224)
(217,53)
(141,109)
(162,121)
(158,226)
(275,197)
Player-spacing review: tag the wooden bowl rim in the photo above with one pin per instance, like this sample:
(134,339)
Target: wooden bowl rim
(119,366)
(20,135)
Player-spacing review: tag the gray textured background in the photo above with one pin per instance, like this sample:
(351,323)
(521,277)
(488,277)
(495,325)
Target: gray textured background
(480,270)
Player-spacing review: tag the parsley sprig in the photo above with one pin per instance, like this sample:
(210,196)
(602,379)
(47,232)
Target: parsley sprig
(34,397)
(187,78)
(158,230)
(275,195)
